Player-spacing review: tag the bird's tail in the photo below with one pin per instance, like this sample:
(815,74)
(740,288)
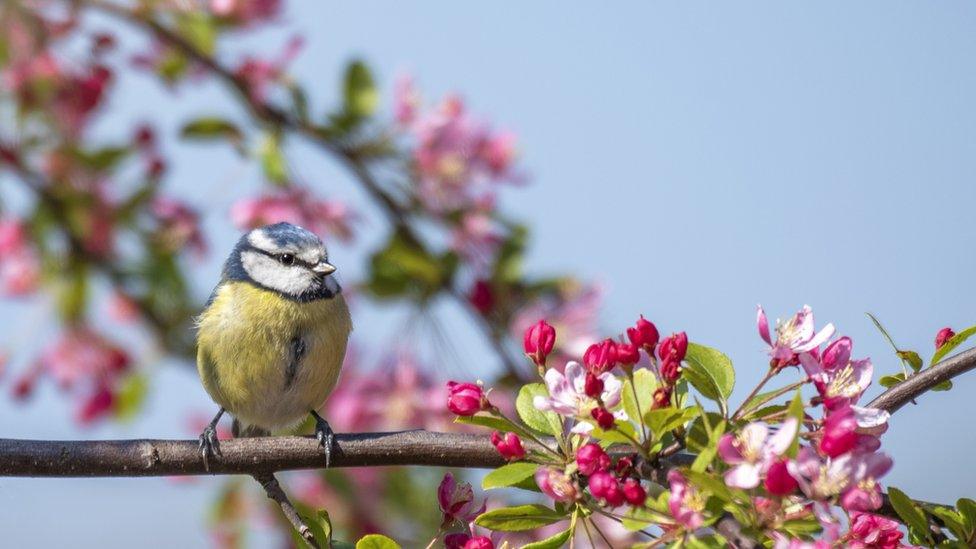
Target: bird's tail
(242,430)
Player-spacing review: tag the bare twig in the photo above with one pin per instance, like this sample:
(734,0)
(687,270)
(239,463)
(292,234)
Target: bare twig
(276,494)
(901,394)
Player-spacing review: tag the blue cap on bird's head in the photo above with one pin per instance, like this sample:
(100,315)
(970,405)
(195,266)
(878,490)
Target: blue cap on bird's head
(284,258)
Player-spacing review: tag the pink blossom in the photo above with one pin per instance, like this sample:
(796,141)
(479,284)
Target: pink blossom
(556,484)
(509,446)
(685,503)
(406,100)
(20,273)
(539,341)
(81,354)
(783,542)
(869,531)
(839,379)
(466,399)
(295,205)
(567,395)
(753,450)
(604,487)
(259,74)
(457,502)
(778,480)
(864,493)
(591,458)
(95,406)
(838,433)
(794,336)
(644,335)
(122,308)
(821,478)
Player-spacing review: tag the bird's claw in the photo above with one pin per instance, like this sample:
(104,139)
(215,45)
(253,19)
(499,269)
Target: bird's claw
(326,438)
(209,445)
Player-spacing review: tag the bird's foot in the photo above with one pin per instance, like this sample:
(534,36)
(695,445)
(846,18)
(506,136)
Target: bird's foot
(209,445)
(325,436)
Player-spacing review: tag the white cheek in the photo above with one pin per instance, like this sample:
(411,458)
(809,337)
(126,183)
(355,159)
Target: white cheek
(271,274)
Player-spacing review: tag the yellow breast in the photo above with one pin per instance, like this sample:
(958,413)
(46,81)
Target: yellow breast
(245,350)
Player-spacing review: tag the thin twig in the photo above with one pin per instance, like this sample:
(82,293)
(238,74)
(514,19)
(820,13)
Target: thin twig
(276,494)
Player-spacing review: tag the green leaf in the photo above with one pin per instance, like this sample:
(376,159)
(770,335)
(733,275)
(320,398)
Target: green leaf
(665,420)
(944,386)
(887,336)
(359,91)
(508,262)
(617,434)
(403,268)
(543,422)
(951,518)
(698,436)
(552,542)
(645,382)
(908,511)
(519,518)
(711,485)
(912,359)
(710,372)
(492,422)
(953,342)
(101,159)
(211,127)
(376,541)
(273,159)
(796,411)
(197,27)
(509,475)
(892,380)
(707,455)
(967,508)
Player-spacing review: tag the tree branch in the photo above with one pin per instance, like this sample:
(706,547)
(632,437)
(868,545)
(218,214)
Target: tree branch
(276,494)
(903,393)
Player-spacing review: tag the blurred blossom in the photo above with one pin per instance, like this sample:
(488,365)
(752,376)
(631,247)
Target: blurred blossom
(477,236)
(573,314)
(298,206)
(122,308)
(80,355)
(246,11)
(20,268)
(179,225)
(406,100)
(258,74)
(395,396)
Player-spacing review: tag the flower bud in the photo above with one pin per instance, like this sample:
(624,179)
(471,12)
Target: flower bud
(591,458)
(509,446)
(479,542)
(538,342)
(600,484)
(624,467)
(465,399)
(627,355)
(644,335)
(603,418)
(662,398)
(634,493)
(944,335)
(670,371)
(674,348)
(779,482)
(614,495)
(601,357)
(839,432)
(592,386)
(556,484)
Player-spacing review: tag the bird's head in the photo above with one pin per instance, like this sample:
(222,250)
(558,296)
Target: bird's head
(285,258)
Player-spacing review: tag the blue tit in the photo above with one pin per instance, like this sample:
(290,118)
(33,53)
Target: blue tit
(272,338)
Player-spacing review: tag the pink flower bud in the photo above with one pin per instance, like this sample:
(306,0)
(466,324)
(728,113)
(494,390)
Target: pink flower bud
(944,335)
(662,398)
(479,542)
(779,482)
(674,348)
(538,342)
(644,335)
(509,446)
(614,495)
(839,432)
(556,484)
(465,399)
(627,355)
(624,467)
(99,404)
(600,484)
(591,458)
(634,493)
(601,357)
(603,418)
(670,371)
(592,386)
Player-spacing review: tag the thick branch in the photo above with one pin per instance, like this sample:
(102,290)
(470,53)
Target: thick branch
(903,393)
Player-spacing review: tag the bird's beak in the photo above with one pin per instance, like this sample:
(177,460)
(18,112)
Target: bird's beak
(324,268)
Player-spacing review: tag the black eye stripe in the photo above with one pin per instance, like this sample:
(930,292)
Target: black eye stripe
(277,257)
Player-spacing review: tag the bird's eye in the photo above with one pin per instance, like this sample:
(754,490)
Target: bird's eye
(286,259)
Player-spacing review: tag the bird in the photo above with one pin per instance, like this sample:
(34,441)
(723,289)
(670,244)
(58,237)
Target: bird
(272,337)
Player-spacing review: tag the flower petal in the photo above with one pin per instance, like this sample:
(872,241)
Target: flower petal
(763,324)
(743,475)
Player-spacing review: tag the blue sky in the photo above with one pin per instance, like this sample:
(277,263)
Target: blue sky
(697,159)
